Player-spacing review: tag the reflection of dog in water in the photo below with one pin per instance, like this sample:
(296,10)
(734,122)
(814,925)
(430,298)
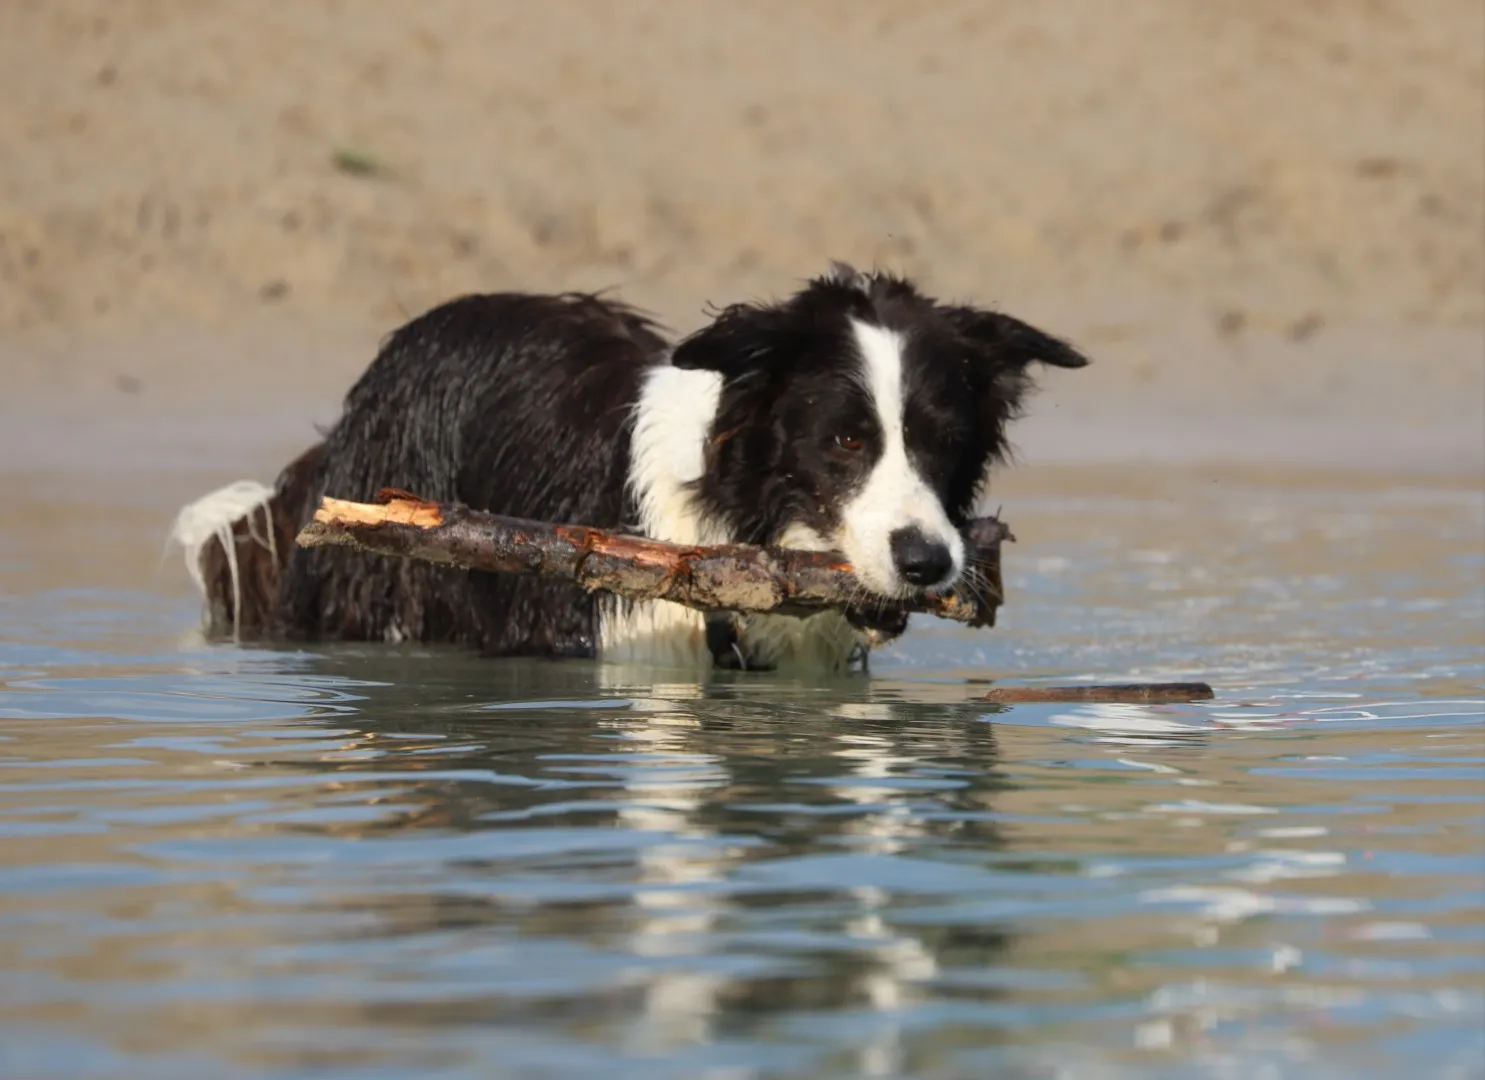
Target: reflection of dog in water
(857,416)
(748,853)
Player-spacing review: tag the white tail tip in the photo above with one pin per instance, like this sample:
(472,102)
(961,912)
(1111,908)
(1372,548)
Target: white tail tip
(213,516)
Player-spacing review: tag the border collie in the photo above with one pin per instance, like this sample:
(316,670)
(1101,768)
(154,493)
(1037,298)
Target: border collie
(857,415)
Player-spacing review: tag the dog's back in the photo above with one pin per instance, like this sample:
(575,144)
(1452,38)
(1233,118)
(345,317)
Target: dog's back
(512,403)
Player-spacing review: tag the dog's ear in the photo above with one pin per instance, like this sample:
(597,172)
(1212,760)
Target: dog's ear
(1007,347)
(1012,343)
(741,338)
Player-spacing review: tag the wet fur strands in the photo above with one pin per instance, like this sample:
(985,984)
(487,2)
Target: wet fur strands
(857,415)
(236,540)
(213,518)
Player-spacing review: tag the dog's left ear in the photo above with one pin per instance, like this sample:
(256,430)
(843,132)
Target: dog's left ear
(1011,342)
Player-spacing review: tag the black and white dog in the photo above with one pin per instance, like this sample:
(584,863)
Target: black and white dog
(858,416)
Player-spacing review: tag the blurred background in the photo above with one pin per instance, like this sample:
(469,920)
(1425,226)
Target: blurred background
(1264,218)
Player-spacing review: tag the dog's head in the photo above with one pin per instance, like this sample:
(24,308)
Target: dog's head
(861,416)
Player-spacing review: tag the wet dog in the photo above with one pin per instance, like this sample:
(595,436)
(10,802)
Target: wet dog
(857,415)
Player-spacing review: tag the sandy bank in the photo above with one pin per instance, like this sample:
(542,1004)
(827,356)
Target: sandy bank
(1266,220)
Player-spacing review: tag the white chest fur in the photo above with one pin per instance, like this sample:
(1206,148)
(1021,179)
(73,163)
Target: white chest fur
(667,453)
(672,422)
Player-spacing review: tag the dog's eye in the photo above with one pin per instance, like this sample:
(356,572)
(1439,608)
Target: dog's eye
(849,443)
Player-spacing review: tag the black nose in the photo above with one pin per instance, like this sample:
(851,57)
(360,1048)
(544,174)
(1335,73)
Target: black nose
(919,560)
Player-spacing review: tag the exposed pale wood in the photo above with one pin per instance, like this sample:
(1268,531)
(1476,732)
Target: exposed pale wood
(400,511)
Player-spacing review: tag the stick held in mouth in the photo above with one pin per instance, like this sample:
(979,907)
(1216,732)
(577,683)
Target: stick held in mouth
(731,577)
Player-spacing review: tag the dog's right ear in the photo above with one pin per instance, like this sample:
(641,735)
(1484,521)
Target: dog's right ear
(740,338)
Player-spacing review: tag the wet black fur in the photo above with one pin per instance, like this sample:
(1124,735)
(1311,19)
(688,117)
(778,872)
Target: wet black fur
(512,403)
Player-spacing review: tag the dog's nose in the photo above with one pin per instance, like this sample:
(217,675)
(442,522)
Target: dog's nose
(919,560)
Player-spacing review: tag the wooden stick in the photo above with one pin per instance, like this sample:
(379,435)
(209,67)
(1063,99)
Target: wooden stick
(1132,693)
(721,578)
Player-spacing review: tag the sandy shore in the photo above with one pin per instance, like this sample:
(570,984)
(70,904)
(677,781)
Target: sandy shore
(1266,220)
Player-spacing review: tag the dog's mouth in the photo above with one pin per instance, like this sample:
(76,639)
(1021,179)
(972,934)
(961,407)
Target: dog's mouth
(904,562)
(877,627)
(876,566)
(909,593)
(900,591)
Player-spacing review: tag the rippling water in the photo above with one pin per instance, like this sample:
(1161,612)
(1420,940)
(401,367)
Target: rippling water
(355,862)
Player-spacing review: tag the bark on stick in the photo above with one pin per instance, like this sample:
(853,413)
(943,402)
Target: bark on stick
(1115,693)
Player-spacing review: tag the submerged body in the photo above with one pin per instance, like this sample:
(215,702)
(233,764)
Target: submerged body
(857,416)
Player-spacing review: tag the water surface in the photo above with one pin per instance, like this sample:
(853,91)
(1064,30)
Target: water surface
(374,862)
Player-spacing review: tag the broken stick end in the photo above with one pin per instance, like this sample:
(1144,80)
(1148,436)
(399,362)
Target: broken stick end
(398,509)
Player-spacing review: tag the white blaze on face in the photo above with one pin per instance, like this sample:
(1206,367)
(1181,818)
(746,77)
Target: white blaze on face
(895,496)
